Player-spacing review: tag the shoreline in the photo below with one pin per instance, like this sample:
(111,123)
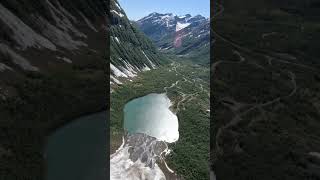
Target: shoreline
(74,117)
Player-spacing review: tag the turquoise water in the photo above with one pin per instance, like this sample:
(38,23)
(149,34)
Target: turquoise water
(151,115)
(78,150)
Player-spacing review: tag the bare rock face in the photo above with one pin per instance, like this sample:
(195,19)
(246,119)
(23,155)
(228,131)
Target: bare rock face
(145,148)
(53,26)
(52,64)
(131,51)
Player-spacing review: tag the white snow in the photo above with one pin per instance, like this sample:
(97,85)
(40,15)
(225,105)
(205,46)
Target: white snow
(151,63)
(117,39)
(115,80)
(129,70)
(148,17)
(65,59)
(166,17)
(116,71)
(118,6)
(180,26)
(118,13)
(123,168)
(146,68)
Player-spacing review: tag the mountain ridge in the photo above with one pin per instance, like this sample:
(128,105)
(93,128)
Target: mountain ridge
(186,36)
(131,51)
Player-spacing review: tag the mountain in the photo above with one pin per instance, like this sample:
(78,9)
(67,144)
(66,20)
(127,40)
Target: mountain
(52,69)
(186,35)
(131,51)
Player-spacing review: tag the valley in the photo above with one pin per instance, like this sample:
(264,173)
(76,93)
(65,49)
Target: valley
(160,99)
(187,86)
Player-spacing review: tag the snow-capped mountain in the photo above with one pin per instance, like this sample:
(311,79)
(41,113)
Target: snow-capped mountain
(131,51)
(157,25)
(182,35)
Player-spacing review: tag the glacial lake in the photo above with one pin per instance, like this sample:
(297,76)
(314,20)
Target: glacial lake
(77,151)
(151,115)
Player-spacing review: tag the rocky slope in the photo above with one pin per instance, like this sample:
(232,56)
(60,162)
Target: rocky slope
(52,68)
(131,51)
(181,35)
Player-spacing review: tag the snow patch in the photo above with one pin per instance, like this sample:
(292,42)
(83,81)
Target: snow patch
(123,168)
(151,63)
(129,70)
(146,68)
(117,13)
(116,71)
(181,26)
(65,59)
(117,39)
(118,6)
(115,80)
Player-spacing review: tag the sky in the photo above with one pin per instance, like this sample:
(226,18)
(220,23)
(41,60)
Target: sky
(137,9)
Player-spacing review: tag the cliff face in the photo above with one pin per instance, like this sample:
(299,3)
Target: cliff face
(131,51)
(62,28)
(52,68)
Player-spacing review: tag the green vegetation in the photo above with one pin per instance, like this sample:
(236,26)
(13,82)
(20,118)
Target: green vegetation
(266,86)
(127,43)
(190,153)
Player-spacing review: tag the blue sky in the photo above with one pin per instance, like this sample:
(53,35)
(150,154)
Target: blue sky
(136,9)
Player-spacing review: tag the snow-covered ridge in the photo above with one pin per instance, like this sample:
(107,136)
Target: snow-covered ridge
(171,21)
(180,26)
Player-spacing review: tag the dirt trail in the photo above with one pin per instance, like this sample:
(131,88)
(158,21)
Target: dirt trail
(185,97)
(235,106)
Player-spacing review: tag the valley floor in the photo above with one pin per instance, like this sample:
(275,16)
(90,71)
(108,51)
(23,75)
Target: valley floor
(187,86)
(266,88)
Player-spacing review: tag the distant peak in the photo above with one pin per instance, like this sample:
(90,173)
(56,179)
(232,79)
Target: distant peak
(154,13)
(198,16)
